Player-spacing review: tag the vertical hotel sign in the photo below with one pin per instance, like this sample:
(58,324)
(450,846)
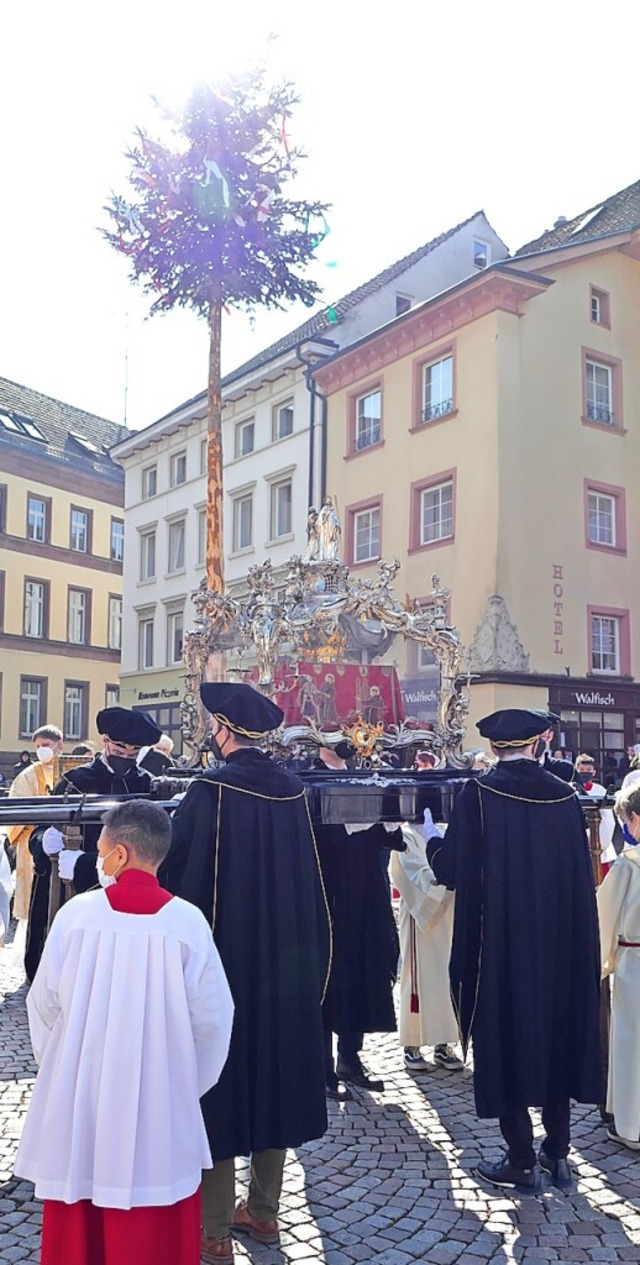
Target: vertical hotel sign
(558,608)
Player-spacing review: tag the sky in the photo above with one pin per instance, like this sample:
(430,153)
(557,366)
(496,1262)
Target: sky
(413,117)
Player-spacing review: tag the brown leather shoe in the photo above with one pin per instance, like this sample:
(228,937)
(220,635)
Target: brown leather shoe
(216,1251)
(261,1231)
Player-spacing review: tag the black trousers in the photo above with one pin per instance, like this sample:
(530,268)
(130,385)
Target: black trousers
(517,1131)
(349,1046)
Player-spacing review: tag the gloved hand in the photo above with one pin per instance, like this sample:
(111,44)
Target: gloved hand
(52,841)
(67,862)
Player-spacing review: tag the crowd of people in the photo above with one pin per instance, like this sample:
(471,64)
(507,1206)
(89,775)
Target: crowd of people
(207,964)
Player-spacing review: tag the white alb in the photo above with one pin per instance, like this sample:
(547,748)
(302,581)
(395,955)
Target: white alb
(130,1018)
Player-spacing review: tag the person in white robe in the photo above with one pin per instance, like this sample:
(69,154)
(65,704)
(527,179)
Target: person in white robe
(425,925)
(618,900)
(130,1016)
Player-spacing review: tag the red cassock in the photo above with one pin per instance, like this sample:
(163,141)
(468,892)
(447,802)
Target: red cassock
(81,1233)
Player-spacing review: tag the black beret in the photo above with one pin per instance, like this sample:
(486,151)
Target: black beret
(136,728)
(345,750)
(241,708)
(515,726)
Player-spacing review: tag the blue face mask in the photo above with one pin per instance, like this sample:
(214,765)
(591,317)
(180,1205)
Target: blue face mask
(628,837)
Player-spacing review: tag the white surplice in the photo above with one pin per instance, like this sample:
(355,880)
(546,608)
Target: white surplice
(619,913)
(425,925)
(130,1018)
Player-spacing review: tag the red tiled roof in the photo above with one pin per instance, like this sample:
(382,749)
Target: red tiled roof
(618,214)
(319,323)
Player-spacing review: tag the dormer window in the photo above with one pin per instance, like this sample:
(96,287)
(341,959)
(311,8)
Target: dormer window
(481,254)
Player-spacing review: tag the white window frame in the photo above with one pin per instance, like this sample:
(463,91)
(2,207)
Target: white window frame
(145,641)
(202,536)
(435,493)
(437,402)
(79,532)
(30,706)
(238,502)
(368,429)
(595,504)
(277,430)
(598,636)
(37,521)
(146,549)
(177,467)
(278,530)
(149,476)
(34,608)
(74,707)
(116,540)
(77,612)
(111,695)
(115,622)
(596,308)
(596,410)
(241,429)
(177,546)
(204,454)
(481,254)
(175,625)
(366,534)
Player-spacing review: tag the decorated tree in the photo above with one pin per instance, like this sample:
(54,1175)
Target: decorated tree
(210,228)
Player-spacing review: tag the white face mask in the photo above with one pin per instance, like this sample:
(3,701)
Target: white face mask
(105,880)
(45,754)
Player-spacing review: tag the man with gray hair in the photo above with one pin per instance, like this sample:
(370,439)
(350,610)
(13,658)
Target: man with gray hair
(130,1016)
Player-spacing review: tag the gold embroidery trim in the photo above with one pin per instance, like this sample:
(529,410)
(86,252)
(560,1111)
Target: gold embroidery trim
(324,897)
(523,798)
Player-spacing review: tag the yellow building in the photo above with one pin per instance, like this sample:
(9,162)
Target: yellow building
(61,551)
(490,435)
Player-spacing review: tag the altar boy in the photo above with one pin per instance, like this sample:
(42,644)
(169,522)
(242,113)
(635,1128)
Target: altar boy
(130,1017)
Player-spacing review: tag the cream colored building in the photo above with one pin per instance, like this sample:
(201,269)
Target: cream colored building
(491,435)
(274,455)
(61,551)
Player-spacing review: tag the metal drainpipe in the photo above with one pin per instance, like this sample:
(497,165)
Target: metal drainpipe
(316,394)
(323,445)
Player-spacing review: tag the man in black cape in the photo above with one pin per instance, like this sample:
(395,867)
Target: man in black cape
(243,851)
(525,958)
(359,998)
(112,772)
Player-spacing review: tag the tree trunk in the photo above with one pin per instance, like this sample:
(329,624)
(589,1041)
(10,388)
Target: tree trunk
(215,507)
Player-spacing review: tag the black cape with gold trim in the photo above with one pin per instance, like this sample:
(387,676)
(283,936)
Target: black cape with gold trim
(243,851)
(365,941)
(525,958)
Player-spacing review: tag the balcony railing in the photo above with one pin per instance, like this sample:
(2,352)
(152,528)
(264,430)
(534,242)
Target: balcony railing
(439,409)
(599,413)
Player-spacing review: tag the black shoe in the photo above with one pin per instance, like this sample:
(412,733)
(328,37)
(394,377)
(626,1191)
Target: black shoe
(337,1090)
(504,1173)
(559,1171)
(355,1074)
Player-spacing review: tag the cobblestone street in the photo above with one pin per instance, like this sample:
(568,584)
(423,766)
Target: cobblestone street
(392,1181)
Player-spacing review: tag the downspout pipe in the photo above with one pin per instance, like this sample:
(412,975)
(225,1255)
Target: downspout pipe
(315,394)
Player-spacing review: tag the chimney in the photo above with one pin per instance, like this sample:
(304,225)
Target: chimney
(562,219)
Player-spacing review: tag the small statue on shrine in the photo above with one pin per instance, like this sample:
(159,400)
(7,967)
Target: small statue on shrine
(313,539)
(329,532)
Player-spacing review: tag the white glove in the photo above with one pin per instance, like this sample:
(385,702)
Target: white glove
(67,863)
(428,829)
(52,841)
